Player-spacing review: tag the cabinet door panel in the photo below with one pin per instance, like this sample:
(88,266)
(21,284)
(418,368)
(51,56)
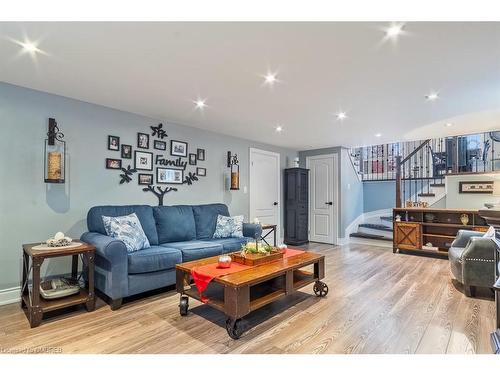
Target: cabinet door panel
(407,236)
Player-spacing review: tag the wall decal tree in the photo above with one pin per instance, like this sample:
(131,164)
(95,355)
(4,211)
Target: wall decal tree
(159,192)
(126,176)
(190,178)
(157,130)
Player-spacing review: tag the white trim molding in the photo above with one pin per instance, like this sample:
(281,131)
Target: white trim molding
(10,295)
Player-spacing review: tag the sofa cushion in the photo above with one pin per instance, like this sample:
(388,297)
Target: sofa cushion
(205,217)
(230,244)
(174,223)
(144,213)
(127,229)
(192,250)
(155,258)
(227,227)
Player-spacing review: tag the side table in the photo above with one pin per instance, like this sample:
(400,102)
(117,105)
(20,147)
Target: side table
(31,301)
(272,229)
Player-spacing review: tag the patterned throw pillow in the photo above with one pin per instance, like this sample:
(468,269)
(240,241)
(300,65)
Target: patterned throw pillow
(127,229)
(229,227)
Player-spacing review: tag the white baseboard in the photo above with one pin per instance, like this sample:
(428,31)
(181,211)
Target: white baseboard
(11,295)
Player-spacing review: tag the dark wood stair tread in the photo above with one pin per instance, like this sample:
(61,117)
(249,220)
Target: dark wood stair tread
(376,226)
(437,185)
(370,236)
(386,218)
(426,194)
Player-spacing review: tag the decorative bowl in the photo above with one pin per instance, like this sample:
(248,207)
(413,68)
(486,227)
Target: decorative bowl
(224,261)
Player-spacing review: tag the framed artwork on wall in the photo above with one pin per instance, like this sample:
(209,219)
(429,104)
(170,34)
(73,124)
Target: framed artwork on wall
(178,148)
(200,154)
(145,179)
(475,187)
(142,140)
(192,159)
(113,143)
(159,145)
(126,152)
(202,172)
(143,160)
(113,164)
(169,176)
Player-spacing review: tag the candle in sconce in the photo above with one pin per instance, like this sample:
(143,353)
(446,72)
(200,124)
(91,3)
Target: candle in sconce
(54,166)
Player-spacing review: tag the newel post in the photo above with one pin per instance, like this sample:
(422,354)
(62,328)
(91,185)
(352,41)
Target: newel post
(398,181)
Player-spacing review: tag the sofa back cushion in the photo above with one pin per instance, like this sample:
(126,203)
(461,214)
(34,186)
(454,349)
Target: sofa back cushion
(174,223)
(143,212)
(205,217)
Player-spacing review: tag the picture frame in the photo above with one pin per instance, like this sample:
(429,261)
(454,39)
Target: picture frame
(126,151)
(144,179)
(159,145)
(142,140)
(113,163)
(169,176)
(143,161)
(202,172)
(200,154)
(113,143)
(178,148)
(475,187)
(192,159)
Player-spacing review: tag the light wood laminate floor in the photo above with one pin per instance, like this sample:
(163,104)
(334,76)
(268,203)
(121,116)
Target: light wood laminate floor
(379,302)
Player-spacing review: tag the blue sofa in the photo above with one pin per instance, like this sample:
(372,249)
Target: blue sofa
(176,234)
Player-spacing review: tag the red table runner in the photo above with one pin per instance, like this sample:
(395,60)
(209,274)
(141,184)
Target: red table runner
(203,275)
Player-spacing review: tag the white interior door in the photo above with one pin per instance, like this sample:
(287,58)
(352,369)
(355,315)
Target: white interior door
(322,194)
(265,187)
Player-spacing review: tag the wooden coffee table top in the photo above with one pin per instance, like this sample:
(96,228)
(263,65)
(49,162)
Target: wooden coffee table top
(257,273)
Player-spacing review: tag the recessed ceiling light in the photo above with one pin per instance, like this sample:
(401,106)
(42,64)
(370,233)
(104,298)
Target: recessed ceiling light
(448,124)
(200,103)
(393,31)
(279,129)
(270,78)
(29,47)
(341,116)
(432,96)
(378,135)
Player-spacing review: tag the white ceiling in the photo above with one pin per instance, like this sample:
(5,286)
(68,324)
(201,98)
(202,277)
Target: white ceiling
(158,69)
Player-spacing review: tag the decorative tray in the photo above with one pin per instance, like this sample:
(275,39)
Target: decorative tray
(251,259)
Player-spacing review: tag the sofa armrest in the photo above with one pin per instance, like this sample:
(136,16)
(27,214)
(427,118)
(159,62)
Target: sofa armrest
(463,237)
(252,230)
(112,250)
(479,248)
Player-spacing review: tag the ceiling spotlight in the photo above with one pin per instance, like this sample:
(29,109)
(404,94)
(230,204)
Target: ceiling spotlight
(395,30)
(270,78)
(378,135)
(29,47)
(448,124)
(279,129)
(341,116)
(432,96)
(200,103)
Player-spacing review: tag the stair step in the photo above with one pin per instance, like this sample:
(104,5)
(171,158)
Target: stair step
(376,226)
(437,185)
(370,236)
(386,218)
(426,195)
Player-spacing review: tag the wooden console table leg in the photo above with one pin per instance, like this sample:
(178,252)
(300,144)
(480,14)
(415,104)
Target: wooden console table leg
(24,281)
(35,310)
(74,267)
(89,259)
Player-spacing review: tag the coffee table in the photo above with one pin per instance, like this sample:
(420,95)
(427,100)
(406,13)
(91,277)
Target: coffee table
(240,293)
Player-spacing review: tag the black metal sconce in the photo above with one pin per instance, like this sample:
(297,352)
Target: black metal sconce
(233,163)
(54,155)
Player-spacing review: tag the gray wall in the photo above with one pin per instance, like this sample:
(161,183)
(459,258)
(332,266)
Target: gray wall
(33,211)
(456,200)
(350,188)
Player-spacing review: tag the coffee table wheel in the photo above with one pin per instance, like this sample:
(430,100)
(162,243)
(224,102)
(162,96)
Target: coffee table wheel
(233,328)
(320,289)
(183,305)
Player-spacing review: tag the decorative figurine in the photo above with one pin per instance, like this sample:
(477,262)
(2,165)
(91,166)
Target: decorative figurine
(464,218)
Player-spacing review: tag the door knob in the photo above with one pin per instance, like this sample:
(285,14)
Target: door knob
(329,203)
(275,203)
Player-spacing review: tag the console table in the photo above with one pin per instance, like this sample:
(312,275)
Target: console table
(418,226)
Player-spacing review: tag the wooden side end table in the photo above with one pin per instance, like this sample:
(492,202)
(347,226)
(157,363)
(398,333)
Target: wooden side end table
(31,301)
(271,229)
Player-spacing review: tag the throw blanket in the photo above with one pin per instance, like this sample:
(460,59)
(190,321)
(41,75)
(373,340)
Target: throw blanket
(203,275)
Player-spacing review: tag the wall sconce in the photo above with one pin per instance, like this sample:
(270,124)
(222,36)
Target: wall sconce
(233,163)
(54,155)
